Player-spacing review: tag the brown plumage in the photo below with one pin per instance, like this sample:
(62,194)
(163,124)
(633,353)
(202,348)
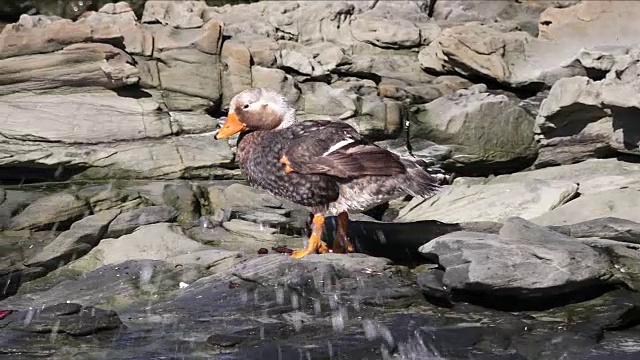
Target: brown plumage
(323,165)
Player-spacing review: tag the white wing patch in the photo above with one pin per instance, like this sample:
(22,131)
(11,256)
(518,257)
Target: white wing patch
(337,146)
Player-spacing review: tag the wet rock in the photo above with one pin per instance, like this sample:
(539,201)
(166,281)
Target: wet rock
(431,282)
(81,237)
(485,131)
(16,201)
(181,196)
(212,259)
(128,221)
(115,286)
(16,247)
(526,261)
(51,211)
(69,318)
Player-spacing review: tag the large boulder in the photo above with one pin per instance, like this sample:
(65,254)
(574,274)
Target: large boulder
(486,132)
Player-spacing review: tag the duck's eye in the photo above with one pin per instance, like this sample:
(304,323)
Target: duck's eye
(245,107)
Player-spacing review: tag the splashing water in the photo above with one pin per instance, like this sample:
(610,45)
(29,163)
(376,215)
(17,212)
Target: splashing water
(145,274)
(416,349)
(279,295)
(338,317)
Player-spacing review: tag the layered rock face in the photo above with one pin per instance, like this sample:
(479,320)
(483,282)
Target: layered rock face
(144,242)
(152,84)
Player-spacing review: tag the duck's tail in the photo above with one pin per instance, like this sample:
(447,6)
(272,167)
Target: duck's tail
(424,179)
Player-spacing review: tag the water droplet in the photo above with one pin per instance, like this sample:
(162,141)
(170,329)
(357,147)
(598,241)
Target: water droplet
(317,307)
(370,329)
(295,301)
(338,318)
(279,295)
(205,223)
(145,274)
(29,316)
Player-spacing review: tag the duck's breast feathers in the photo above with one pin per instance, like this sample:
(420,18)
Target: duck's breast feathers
(335,148)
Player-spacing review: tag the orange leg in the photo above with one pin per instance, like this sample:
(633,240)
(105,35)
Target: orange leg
(287,164)
(315,240)
(341,242)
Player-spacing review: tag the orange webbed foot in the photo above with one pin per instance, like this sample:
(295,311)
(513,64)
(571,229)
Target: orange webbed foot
(315,240)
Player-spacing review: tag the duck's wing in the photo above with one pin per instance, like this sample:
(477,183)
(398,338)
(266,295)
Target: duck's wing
(337,149)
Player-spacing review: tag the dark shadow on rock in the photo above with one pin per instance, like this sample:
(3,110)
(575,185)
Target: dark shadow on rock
(493,300)
(572,119)
(29,173)
(626,120)
(398,242)
(132,92)
(11,280)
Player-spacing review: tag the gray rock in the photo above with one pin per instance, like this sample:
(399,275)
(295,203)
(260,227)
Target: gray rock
(128,221)
(81,237)
(237,196)
(236,75)
(275,79)
(518,59)
(112,198)
(186,72)
(315,60)
(51,211)
(213,259)
(66,318)
(181,196)
(431,282)
(595,115)
(112,153)
(102,65)
(321,99)
(483,130)
(125,119)
(179,15)
(524,261)
(621,203)
(247,228)
(468,201)
(17,247)
(116,286)
(150,242)
(606,228)
(16,200)
(386,33)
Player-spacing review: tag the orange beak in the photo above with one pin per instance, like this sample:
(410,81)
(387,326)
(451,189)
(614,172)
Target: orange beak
(231,127)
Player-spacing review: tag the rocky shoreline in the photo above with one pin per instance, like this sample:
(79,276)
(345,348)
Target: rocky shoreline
(127,232)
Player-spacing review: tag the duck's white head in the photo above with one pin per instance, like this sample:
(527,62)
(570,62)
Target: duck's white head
(257,109)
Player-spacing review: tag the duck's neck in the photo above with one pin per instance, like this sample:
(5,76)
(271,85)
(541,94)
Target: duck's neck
(288,119)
